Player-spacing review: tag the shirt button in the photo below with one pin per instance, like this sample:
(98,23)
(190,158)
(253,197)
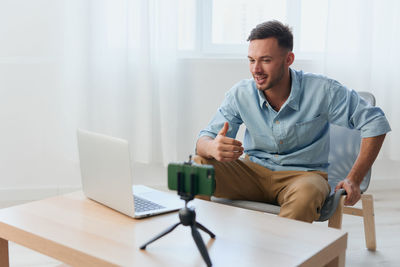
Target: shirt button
(281,142)
(276,155)
(277,122)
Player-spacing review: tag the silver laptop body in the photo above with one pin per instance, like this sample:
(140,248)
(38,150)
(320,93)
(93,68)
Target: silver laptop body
(107,178)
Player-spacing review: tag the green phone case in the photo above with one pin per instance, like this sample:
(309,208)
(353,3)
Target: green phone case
(204,181)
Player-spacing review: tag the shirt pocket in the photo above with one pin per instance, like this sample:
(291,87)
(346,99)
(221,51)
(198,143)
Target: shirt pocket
(310,131)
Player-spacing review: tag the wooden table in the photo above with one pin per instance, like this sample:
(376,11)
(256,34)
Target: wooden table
(81,232)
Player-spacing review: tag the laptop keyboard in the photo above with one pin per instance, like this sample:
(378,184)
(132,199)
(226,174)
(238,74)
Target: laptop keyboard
(145,205)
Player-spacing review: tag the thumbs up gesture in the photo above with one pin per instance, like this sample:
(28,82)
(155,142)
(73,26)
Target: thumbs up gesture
(223,148)
(224,129)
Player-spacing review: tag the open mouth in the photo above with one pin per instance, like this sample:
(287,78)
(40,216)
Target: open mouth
(260,79)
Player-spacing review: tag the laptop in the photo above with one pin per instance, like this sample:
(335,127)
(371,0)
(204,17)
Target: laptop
(107,178)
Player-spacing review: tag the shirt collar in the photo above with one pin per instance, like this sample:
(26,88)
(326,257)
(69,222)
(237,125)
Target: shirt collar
(295,90)
(294,97)
(261,97)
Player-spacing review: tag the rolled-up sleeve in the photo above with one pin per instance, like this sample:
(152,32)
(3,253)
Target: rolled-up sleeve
(227,112)
(348,109)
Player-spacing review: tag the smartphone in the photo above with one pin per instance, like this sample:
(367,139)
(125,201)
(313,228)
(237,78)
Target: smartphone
(197,179)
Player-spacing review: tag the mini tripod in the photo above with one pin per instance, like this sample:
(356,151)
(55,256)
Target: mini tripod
(187,217)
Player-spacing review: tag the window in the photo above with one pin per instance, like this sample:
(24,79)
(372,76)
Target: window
(221,27)
(232,21)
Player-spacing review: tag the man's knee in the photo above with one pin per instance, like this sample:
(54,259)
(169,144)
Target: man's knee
(304,198)
(233,179)
(201,160)
(309,188)
(206,161)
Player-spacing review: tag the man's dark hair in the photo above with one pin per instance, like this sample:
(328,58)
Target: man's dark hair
(276,29)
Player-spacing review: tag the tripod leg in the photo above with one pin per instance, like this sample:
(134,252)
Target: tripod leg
(199,225)
(168,230)
(200,245)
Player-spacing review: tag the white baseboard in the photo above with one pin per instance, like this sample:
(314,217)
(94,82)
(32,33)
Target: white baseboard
(34,193)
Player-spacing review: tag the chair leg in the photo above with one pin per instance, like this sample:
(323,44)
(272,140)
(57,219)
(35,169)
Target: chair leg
(336,220)
(369,221)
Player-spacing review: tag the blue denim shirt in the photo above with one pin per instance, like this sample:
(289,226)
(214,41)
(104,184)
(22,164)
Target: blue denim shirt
(296,137)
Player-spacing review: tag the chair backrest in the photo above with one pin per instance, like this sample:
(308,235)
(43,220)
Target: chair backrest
(344,148)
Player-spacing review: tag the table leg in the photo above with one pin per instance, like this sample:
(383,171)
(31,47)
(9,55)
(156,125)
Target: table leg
(339,261)
(4,253)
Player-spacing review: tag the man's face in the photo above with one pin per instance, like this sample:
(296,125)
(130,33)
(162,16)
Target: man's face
(268,62)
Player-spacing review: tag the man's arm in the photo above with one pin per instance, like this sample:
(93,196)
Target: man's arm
(368,152)
(221,148)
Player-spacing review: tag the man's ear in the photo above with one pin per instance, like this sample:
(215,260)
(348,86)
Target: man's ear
(289,58)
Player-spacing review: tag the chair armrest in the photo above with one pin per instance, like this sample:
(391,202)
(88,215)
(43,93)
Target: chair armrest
(330,205)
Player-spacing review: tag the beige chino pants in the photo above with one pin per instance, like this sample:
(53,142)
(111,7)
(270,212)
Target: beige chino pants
(300,194)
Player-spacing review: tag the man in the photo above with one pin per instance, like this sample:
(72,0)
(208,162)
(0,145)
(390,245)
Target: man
(286,144)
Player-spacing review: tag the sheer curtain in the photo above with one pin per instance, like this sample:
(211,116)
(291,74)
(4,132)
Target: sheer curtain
(129,79)
(108,66)
(363,37)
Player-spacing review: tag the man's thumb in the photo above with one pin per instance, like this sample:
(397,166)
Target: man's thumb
(224,129)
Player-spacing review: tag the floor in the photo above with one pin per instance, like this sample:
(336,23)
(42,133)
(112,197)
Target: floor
(386,194)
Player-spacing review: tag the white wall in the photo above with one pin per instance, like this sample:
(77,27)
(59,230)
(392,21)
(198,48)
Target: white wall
(32,114)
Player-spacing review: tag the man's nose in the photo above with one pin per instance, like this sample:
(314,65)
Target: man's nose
(256,67)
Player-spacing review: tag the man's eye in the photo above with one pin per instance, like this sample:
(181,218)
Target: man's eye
(267,61)
(251,60)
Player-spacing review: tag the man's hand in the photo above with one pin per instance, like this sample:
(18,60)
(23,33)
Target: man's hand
(221,148)
(352,190)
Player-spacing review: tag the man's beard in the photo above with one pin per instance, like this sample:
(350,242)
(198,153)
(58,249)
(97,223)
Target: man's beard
(275,81)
